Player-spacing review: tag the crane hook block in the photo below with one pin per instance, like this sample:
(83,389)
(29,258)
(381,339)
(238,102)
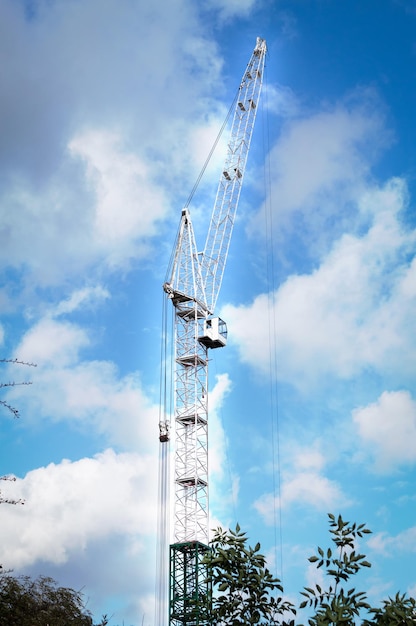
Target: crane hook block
(163,432)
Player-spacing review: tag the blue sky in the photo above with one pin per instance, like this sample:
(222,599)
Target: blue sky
(108,111)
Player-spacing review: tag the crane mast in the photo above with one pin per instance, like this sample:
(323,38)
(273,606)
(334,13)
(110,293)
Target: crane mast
(193,284)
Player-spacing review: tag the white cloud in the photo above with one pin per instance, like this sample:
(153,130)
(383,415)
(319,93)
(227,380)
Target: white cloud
(94,62)
(378,589)
(388,428)
(355,311)
(309,459)
(128,203)
(218,444)
(72,225)
(412,591)
(100,494)
(309,489)
(89,393)
(313,489)
(303,485)
(81,297)
(389,545)
(53,344)
(321,162)
(314,576)
(97,99)
(280,100)
(233,8)
(88,524)
(224,482)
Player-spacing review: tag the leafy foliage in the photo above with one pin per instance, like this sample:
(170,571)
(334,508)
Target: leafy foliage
(335,605)
(246,588)
(244,584)
(397,611)
(40,602)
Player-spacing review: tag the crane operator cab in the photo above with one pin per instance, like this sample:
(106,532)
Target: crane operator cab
(214,333)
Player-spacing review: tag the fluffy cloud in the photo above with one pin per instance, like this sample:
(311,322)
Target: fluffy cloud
(321,161)
(281,100)
(353,312)
(404,542)
(388,428)
(223,486)
(304,484)
(91,62)
(87,296)
(80,520)
(218,447)
(95,133)
(92,491)
(68,387)
(107,217)
(90,393)
(128,205)
(233,8)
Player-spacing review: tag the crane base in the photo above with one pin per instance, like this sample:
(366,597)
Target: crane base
(190,591)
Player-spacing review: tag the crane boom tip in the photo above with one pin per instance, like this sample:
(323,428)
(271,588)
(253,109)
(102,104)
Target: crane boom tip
(261,45)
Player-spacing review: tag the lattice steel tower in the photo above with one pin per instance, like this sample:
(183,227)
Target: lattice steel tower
(193,284)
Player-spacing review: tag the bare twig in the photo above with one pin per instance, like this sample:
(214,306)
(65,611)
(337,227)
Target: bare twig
(14,361)
(19,362)
(10,500)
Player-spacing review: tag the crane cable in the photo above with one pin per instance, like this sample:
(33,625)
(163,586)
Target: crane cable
(211,152)
(163,510)
(201,173)
(272,331)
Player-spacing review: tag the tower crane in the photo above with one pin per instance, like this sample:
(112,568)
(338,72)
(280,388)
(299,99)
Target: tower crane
(192,285)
